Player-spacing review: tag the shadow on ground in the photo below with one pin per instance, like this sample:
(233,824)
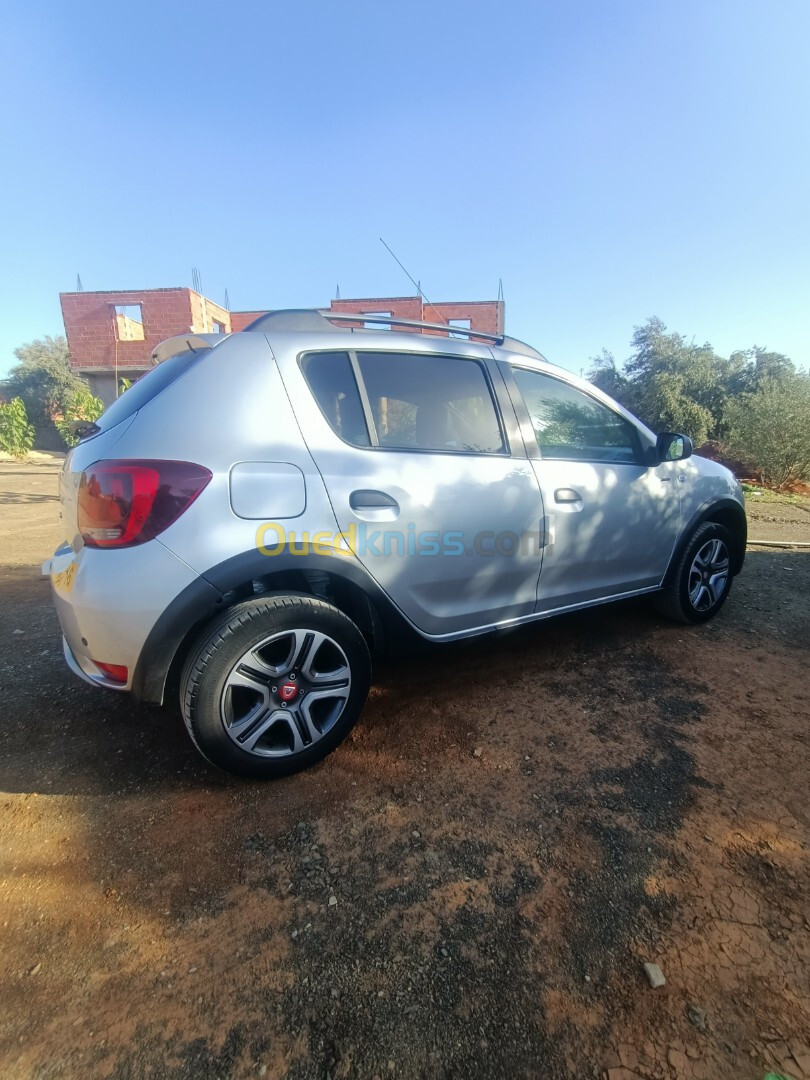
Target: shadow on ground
(514,826)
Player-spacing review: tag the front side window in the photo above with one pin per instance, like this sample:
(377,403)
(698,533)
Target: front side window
(331,380)
(427,402)
(574,426)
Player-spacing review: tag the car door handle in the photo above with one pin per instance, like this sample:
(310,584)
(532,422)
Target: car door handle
(567,495)
(372,500)
(374,505)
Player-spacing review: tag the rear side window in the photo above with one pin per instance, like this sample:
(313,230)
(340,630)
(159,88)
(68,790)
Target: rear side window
(148,387)
(427,402)
(331,380)
(573,426)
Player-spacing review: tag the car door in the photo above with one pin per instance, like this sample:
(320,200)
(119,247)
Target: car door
(428,482)
(611,518)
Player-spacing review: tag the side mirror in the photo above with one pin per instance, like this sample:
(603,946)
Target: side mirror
(670,446)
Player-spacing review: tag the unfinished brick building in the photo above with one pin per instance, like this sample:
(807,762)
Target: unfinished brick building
(111,335)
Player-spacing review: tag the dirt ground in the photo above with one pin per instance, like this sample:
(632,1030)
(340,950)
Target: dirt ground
(515,827)
(778,517)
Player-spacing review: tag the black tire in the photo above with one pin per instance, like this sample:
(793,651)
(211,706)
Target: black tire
(207,693)
(676,602)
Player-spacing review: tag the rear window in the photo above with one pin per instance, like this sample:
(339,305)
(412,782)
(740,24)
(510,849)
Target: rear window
(148,387)
(429,402)
(332,383)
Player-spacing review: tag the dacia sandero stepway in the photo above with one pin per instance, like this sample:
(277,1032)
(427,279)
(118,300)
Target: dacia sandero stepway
(263,511)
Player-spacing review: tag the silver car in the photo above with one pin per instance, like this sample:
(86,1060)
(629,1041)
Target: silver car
(265,511)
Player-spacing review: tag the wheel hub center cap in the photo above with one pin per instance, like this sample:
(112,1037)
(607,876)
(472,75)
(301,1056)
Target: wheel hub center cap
(288,692)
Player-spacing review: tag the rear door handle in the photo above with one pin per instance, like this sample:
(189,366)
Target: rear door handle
(567,495)
(372,500)
(374,505)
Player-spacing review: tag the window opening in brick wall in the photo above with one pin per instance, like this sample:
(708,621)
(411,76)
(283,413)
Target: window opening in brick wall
(462,324)
(129,322)
(370,324)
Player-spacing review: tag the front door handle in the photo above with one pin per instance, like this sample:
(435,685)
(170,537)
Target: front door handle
(567,495)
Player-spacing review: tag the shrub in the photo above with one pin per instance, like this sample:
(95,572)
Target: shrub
(81,405)
(16,434)
(769,430)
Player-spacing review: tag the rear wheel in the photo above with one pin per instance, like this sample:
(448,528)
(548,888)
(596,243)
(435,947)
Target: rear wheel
(275,686)
(702,578)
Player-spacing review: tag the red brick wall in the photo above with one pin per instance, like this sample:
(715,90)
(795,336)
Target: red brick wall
(484,315)
(89,319)
(90,325)
(241,319)
(401,307)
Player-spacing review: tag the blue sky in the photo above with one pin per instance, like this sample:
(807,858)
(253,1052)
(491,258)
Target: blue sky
(609,161)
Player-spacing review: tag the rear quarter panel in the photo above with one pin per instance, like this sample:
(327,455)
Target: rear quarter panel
(231,408)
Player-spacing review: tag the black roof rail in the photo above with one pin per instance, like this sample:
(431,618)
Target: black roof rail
(323,319)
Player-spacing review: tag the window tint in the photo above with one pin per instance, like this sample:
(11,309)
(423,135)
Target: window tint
(331,381)
(430,403)
(570,424)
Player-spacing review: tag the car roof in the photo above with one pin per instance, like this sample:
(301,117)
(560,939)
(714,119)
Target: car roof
(320,320)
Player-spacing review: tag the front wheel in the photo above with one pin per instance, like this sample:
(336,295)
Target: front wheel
(275,686)
(702,578)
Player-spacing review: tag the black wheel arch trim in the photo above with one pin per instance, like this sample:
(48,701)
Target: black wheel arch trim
(214,592)
(729,509)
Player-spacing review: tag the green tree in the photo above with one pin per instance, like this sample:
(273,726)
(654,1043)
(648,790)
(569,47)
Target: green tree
(672,384)
(605,374)
(769,429)
(677,385)
(43,379)
(753,367)
(666,397)
(16,434)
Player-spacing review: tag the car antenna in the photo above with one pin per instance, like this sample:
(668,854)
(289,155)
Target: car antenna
(418,284)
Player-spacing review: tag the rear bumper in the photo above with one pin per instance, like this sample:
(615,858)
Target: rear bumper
(108,602)
(89,672)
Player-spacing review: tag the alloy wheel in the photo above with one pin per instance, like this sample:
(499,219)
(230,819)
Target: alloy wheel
(708,575)
(285,693)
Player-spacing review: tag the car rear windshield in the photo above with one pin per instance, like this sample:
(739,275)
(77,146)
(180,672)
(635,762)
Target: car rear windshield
(148,387)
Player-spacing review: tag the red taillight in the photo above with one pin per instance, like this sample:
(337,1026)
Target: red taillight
(116,672)
(122,503)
